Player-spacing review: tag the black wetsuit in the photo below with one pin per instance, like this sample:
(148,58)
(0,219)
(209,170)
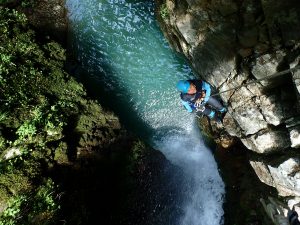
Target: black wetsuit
(190,100)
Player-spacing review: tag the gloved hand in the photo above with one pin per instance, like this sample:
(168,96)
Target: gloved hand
(201,108)
(204,98)
(199,102)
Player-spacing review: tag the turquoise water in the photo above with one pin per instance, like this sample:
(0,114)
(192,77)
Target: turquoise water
(134,71)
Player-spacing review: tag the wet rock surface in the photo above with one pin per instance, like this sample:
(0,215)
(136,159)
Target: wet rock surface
(243,188)
(231,46)
(49,17)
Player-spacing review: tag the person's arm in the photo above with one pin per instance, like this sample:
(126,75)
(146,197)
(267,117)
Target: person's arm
(187,106)
(206,87)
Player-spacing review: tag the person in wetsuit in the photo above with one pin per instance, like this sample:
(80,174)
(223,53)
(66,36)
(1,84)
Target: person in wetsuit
(196,97)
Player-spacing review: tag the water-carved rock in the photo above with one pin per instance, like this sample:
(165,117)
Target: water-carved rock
(229,48)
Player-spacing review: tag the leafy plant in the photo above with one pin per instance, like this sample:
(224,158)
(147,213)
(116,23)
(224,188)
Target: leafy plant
(11,213)
(3,116)
(27,130)
(164,12)
(26,208)
(45,197)
(28,3)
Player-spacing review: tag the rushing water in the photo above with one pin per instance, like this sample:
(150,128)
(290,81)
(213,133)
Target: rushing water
(130,64)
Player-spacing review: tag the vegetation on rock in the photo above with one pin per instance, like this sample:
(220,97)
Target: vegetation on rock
(164,12)
(59,150)
(42,110)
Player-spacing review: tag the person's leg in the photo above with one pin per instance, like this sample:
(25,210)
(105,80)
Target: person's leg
(216,104)
(206,111)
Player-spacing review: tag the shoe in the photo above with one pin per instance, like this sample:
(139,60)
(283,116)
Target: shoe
(223,110)
(219,121)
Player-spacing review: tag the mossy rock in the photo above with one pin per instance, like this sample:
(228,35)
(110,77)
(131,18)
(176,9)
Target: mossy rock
(61,154)
(10,153)
(206,130)
(45,113)
(95,126)
(4,197)
(15,182)
(215,133)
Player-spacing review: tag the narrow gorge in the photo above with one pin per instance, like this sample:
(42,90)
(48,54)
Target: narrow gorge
(94,132)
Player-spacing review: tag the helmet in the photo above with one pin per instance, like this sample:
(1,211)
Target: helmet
(183,86)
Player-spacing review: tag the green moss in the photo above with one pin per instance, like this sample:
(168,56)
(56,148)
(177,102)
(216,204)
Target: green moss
(37,97)
(36,207)
(61,156)
(93,126)
(22,3)
(4,197)
(138,149)
(205,127)
(45,115)
(55,51)
(13,210)
(15,182)
(31,168)
(2,144)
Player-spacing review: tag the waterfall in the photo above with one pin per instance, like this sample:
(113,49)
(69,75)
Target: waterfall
(132,67)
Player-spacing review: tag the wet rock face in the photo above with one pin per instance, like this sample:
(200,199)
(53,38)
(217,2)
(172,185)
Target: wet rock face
(230,43)
(282,173)
(49,16)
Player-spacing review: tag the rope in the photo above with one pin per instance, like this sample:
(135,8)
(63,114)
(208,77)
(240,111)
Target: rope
(258,80)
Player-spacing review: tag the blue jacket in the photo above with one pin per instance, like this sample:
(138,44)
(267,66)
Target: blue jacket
(189,100)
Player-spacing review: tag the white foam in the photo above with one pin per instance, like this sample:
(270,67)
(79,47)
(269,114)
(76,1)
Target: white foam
(205,190)
(119,44)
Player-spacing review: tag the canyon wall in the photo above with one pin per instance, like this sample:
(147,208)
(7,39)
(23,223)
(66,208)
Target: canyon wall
(231,43)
